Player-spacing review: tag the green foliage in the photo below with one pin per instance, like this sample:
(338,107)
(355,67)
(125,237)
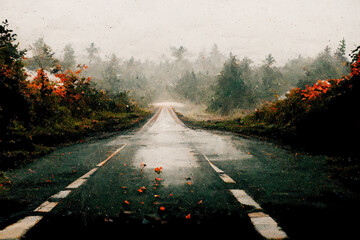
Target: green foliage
(188,86)
(92,53)
(325,66)
(340,51)
(271,80)
(231,88)
(44,101)
(13,103)
(68,61)
(294,71)
(178,53)
(42,56)
(37,111)
(111,76)
(322,116)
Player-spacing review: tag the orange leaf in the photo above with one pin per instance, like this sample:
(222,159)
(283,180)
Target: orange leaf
(188,216)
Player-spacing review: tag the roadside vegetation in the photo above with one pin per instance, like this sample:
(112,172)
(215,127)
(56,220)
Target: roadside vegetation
(237,85)
(56,104)
(48,99)
(320,118)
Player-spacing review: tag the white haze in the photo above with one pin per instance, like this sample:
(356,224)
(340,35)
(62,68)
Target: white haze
(145,29)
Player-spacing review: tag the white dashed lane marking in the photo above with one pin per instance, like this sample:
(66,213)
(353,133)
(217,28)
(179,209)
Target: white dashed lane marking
(61,194)
(77,183)
(226,178)
(266,226)
(18,229)
(218,170)
(88,174)
(244,199)
(46,206)
(263,223)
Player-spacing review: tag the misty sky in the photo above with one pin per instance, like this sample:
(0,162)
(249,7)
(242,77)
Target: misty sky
(146,29)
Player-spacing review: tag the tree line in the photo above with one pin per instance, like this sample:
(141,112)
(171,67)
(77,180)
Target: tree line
(56,103)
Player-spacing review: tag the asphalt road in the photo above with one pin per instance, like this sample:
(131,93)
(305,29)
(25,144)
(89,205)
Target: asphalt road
(167,180)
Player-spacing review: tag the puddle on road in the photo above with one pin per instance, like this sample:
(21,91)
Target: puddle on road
(216,147)
(169,158)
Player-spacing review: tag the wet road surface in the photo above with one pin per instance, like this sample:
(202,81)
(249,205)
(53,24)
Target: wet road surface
(206,183)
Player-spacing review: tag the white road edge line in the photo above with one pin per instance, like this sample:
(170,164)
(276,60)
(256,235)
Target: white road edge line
(171,110)
(18,229)
(221,173)
(112,155)
(152,118)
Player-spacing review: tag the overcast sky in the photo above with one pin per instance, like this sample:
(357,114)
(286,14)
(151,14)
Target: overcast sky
(146,29)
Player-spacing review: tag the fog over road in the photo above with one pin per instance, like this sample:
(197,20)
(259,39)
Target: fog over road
(207,182)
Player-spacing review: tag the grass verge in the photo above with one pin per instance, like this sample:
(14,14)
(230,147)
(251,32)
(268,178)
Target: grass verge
(28,144)
(344,167)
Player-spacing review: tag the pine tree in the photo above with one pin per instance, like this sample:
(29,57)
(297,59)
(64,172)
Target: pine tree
(68,61)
